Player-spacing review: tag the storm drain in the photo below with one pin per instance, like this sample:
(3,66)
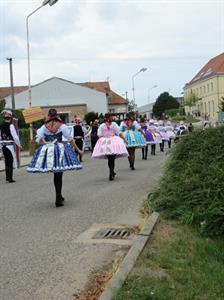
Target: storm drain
(112,233)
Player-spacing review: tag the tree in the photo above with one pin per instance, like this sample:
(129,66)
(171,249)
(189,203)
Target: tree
(90,117)
(132,107)
(164,101)
(2,105)
(221,106)
(191,100)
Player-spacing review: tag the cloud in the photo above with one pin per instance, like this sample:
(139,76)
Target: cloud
(80,40)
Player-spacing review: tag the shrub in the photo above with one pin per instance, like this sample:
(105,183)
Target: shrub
(24,135)
(173,112)
(192,188)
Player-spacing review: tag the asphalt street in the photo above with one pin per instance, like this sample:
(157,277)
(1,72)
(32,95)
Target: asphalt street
(40,256)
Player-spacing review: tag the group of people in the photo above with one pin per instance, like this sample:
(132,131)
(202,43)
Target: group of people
(61,149)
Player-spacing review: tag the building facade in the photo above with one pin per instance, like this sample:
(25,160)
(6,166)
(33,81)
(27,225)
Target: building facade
(117,105)
(208,86)
(69,98)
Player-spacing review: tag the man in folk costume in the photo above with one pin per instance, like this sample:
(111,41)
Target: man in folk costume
(8,138)
(79,133)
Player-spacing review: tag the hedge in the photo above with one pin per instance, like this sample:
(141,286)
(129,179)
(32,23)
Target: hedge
(192,188)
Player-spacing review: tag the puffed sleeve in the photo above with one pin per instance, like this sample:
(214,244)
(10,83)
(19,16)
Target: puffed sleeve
(99,131)
(14,135)
(116,128)
(67,132)
(40,134)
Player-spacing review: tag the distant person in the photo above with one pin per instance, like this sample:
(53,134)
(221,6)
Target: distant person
(93,135)
(190,127)
(9,137)
(79,133)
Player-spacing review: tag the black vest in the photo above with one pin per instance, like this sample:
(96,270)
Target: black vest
(5,131)
(78,131)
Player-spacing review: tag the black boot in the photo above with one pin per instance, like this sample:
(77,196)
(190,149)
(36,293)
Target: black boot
(146,152)
(59,201)
(10,175)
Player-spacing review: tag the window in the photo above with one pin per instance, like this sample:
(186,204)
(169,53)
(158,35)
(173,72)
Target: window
(204,89)
(211,86)
(209,108)
(200,90)
(207,88)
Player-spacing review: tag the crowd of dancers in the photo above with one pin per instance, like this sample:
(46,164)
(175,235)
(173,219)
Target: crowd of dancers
(61,149)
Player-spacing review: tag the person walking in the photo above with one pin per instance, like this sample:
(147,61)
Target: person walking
(8,138)
(110,144)
(79,133)
(93,135)
(54,155)
(133,137)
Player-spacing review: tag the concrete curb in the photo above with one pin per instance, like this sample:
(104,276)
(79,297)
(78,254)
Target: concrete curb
(127,264)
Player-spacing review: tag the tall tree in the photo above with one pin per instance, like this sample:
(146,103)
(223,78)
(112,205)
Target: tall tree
(164,101)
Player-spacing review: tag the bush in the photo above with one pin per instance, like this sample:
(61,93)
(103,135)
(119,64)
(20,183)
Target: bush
(192,188)
(24,135)
(173,112)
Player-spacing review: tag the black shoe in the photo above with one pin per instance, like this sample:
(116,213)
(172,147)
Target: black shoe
(133,168)
(111,177)
(59,204)
(11,180)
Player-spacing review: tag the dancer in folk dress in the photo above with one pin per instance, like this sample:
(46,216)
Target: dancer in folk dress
(54,155)
(110,144)
(149,138)
(133,137)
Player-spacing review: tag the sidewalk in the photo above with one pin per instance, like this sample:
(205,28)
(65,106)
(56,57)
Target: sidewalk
(24,160)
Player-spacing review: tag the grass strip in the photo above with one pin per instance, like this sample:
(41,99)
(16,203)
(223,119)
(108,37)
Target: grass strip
(178,264)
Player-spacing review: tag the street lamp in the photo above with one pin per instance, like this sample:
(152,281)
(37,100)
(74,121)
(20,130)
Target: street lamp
(153,87)
(133,83)
(45,2)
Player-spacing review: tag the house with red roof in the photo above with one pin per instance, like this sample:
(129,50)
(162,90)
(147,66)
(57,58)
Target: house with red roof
(208,86)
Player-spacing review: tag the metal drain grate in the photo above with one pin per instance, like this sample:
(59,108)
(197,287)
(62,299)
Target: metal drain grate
(112,233)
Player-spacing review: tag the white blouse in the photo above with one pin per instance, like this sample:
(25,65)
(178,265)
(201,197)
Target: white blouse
(43,131)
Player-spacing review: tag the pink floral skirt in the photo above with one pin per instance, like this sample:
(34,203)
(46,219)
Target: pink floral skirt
(113,145)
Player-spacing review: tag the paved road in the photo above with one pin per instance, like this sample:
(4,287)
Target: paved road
(40,256)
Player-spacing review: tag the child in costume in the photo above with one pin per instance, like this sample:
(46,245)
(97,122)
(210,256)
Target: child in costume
(133,137)
(110,144)
(53,155)
(149,138)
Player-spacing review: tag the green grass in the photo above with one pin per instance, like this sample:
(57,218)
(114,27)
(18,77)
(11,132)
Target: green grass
(179,265)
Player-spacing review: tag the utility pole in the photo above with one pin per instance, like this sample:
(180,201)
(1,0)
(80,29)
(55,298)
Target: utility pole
(11,81)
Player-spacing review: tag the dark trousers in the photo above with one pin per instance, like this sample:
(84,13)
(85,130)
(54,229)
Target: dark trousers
(8,163)
(153,149)
(58,186)
(93,144)
(169,143)
(79,143)
(162,146)
(145,152)
(131,158)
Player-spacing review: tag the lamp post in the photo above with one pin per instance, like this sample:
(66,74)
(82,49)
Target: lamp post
(153,87)
(133,82)
(45,2)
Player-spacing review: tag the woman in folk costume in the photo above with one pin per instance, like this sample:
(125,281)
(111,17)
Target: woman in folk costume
(156,135)
(149,138)
(53,155)
(9,137)
(110,144)
(170,132)
(163,133)
(133,137)
(93,134)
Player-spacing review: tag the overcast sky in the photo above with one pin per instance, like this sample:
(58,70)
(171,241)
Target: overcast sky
(99,40)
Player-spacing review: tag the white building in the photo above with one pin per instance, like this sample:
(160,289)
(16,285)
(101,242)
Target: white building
(68,97)
(146,110)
